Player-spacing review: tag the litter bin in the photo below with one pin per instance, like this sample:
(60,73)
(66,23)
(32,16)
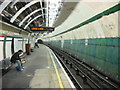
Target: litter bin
(28,49)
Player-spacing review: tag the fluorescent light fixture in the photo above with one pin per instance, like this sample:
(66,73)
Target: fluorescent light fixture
(47,14)
(16,8)
(16,34)
(53,12)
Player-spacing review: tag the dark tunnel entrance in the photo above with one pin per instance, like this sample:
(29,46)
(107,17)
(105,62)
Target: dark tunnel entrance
(40,41)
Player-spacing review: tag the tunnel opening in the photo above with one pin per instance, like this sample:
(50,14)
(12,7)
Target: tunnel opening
(40,41)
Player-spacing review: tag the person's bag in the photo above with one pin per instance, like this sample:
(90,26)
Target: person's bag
(23,61)
(17,68)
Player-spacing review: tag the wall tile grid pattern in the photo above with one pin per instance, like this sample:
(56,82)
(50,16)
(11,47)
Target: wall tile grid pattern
(101,53)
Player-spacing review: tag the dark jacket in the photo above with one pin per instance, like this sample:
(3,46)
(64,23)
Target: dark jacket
(15,57)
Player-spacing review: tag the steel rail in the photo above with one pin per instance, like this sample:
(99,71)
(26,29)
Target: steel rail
(68,71)
(88,68)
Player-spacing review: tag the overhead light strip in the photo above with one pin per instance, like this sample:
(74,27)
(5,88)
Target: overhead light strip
(47,15)
(41,7)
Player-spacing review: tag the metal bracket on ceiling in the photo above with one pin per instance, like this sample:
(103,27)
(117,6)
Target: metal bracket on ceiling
(22,9)
(4,5)
(30,15)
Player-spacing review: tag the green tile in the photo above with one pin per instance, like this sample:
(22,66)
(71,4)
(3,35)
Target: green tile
(101,52)
(96,53)
(109,41)
(93,50)
(94,41)
(99,41)
(114,56)
(103,41)
(115,42)
(111,68)
(109,54)
(101,64)
(119,42)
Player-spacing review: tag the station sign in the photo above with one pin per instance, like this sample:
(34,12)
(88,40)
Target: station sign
(39,29)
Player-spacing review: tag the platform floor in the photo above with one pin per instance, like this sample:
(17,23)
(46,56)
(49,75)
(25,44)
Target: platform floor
(42,70)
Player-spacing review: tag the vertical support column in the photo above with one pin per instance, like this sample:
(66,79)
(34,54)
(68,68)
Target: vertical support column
(12,45)
(22,43)
(118,46)
(27,46)
(4,47)
(119,60)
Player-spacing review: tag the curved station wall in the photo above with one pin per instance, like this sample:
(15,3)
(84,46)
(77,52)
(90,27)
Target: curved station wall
(90,32)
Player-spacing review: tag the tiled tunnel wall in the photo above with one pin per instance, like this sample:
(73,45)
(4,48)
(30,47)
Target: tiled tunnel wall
(95,40)
(101,53)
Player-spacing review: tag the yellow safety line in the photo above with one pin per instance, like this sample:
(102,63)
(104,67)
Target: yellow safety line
(57,73)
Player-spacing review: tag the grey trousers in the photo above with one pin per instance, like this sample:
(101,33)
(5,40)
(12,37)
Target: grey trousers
(19,64)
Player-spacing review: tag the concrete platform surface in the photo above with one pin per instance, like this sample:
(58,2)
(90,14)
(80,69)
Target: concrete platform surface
(39,72)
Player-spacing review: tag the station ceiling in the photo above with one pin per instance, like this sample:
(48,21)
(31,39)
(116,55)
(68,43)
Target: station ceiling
(29,13)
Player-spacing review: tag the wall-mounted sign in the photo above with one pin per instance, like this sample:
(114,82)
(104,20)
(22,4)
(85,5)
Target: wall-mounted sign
(39,29)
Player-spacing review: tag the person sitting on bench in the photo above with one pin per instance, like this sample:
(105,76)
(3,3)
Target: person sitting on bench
(16,59)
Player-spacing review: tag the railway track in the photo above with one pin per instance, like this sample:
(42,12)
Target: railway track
(83,75)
